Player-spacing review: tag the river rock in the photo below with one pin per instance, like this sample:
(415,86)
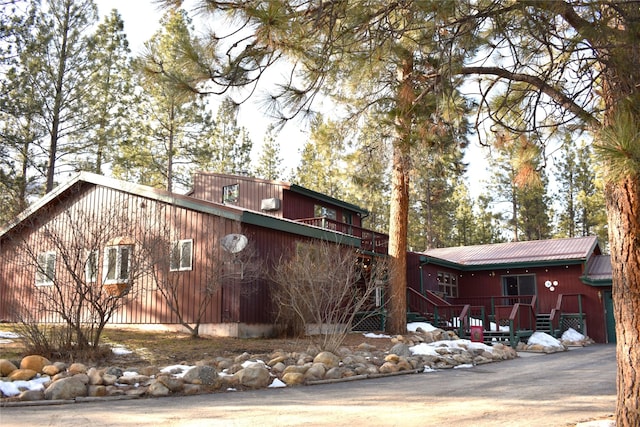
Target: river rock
(327,358)
(77,368)
(156,388)
(203,375)
(293,378)
(22,374)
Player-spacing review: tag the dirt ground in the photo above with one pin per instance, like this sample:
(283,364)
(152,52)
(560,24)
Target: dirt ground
(169,348)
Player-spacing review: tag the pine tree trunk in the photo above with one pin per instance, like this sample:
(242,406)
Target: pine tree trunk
(399,209)
(398,224)
(623,207)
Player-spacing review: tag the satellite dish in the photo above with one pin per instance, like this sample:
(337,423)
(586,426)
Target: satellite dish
(234,243)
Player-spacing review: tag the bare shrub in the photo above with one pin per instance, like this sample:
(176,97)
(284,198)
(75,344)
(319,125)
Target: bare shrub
(67,310)
(322,287)
(218,267)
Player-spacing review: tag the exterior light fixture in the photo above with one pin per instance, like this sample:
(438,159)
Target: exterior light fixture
(551,285)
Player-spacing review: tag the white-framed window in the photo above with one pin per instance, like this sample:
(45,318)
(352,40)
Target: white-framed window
(448,284)
(91,267)
(116,264)
(46,268)
(231,194)
(181,255)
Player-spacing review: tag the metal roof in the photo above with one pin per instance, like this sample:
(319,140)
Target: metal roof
(569,250)
(598,269)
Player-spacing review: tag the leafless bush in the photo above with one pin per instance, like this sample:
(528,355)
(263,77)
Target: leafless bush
(218,267)
(69,306)
(322,287)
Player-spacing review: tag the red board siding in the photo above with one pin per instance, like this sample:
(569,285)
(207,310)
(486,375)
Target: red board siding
(252,191)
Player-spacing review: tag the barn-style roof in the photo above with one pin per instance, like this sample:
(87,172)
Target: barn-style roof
(516,254)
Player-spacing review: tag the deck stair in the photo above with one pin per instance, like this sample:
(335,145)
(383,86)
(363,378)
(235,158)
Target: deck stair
(543,323)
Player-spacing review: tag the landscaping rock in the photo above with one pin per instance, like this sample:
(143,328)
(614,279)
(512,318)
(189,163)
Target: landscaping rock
(66,388)
(202,375)
(327,358)
(34,362)
(254,376)
(251,371)
(156,388)
(22,374)
(6,367)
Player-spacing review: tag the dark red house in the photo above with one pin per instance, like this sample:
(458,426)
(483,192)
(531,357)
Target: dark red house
(484,281)
(561,282)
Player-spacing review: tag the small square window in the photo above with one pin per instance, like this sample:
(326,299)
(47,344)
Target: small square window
(181,255)
(230,193)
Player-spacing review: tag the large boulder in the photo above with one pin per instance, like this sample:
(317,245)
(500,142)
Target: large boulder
(34,362)
(202,375)
(254,376)
(6,367)
(22,375)
(327,358)
(66,388)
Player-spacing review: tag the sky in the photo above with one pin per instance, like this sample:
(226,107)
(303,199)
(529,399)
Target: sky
(11,389)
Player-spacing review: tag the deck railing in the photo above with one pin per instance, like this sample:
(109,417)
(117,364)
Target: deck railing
(370,241)
(491,302)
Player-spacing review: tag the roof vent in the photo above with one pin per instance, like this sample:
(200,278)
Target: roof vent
(272,204)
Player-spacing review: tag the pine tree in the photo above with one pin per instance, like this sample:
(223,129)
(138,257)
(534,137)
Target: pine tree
(173,128)
(111,91)
(228,147)
(54,55)
(322,163)
(269,161)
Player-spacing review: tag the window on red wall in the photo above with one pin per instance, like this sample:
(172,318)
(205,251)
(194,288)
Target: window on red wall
(448,284)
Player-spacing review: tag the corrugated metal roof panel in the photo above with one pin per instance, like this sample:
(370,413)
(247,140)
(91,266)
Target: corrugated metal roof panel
(577,249)
(599,268)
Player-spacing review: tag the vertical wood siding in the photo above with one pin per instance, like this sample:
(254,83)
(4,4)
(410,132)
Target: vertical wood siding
(252,191)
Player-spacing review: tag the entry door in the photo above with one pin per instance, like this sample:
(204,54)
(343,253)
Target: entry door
(608,316)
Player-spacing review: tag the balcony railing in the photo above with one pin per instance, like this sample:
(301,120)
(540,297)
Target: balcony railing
(370,240)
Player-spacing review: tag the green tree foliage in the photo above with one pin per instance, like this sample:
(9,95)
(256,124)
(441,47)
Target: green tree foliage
(519,182)
(111,98)
(54,56)
(228,148)
(369,181)
(322,164)
(269,163)
(172,126)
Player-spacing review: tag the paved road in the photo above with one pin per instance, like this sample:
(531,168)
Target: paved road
(559,389)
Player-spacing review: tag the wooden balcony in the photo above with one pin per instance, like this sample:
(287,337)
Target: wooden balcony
(370,241)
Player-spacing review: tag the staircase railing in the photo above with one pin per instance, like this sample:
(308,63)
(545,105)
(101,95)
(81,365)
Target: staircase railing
(567,303)
(457,317)
(520,318)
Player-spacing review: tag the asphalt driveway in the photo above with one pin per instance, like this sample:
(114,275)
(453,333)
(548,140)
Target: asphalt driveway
(558,389)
